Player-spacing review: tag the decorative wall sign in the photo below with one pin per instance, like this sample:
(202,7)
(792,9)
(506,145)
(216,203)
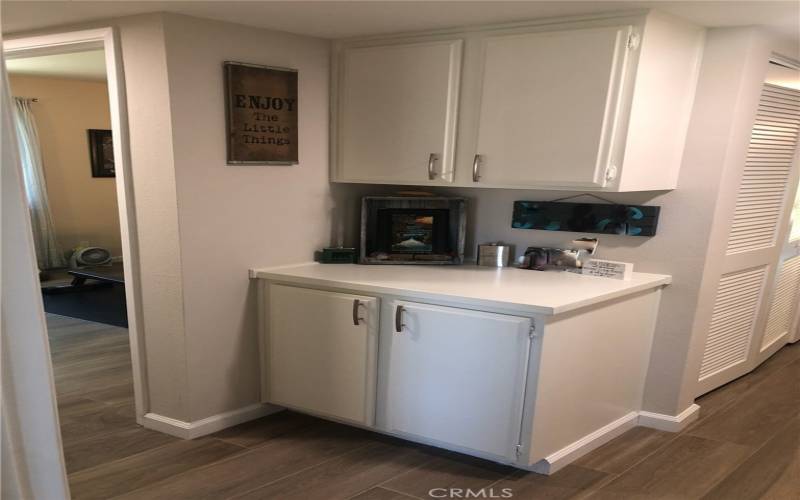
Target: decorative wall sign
(261,109)
(603,218)
(101,152)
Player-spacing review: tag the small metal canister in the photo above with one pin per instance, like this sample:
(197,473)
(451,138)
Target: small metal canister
(494,255)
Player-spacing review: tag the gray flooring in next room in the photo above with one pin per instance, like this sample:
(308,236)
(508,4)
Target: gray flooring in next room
(745,446)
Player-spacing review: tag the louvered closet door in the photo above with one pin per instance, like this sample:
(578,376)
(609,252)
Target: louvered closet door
(740,335)
(762,195)
(783,304)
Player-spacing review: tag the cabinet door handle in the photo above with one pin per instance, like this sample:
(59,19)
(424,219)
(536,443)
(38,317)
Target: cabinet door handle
(398,319)
(356,304)
(431,162)
(476,168)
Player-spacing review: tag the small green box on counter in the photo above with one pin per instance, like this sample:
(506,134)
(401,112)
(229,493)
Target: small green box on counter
(338,255)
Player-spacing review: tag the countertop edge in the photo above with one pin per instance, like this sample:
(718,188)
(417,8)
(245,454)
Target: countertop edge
(279,274)
(660,283)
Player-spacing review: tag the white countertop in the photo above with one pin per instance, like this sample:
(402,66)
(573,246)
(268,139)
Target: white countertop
(539,292)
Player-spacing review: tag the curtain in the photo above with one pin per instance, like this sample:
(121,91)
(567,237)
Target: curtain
(48,251)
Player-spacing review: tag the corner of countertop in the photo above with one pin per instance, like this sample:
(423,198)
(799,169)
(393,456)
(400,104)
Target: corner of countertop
(666,279)
(253,272)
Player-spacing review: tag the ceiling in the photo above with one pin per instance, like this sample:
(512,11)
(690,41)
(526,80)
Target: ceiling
(336,19)
(89,65)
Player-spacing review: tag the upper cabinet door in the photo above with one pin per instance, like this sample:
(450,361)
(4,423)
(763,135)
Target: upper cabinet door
(549,107)
(396,115)
(594,104)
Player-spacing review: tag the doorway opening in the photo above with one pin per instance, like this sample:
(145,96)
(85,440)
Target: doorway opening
(64,125)
(71,122)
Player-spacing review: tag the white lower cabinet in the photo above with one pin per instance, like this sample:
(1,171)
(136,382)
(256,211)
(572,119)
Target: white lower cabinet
(319,352)
(455,377)
(444,374)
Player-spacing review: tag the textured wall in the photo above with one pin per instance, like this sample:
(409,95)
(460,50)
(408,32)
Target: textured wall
(233,218)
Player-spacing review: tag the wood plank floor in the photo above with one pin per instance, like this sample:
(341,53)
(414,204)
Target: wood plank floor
(746,445)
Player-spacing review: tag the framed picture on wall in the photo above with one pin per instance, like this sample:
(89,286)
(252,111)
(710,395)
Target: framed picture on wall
(101,152)
(261,111)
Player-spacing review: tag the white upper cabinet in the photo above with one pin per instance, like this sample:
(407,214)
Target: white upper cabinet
(593,104)
(549,105)
(397,112)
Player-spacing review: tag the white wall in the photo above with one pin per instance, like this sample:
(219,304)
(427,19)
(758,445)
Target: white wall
(155,203)
(233,218)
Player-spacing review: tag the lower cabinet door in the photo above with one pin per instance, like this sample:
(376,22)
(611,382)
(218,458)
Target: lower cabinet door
(320,349)
(456,377)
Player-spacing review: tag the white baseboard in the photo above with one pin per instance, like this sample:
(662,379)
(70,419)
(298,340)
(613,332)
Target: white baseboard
(574,451)
(208,425)
(669,423)
(548,465)
(171,426)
